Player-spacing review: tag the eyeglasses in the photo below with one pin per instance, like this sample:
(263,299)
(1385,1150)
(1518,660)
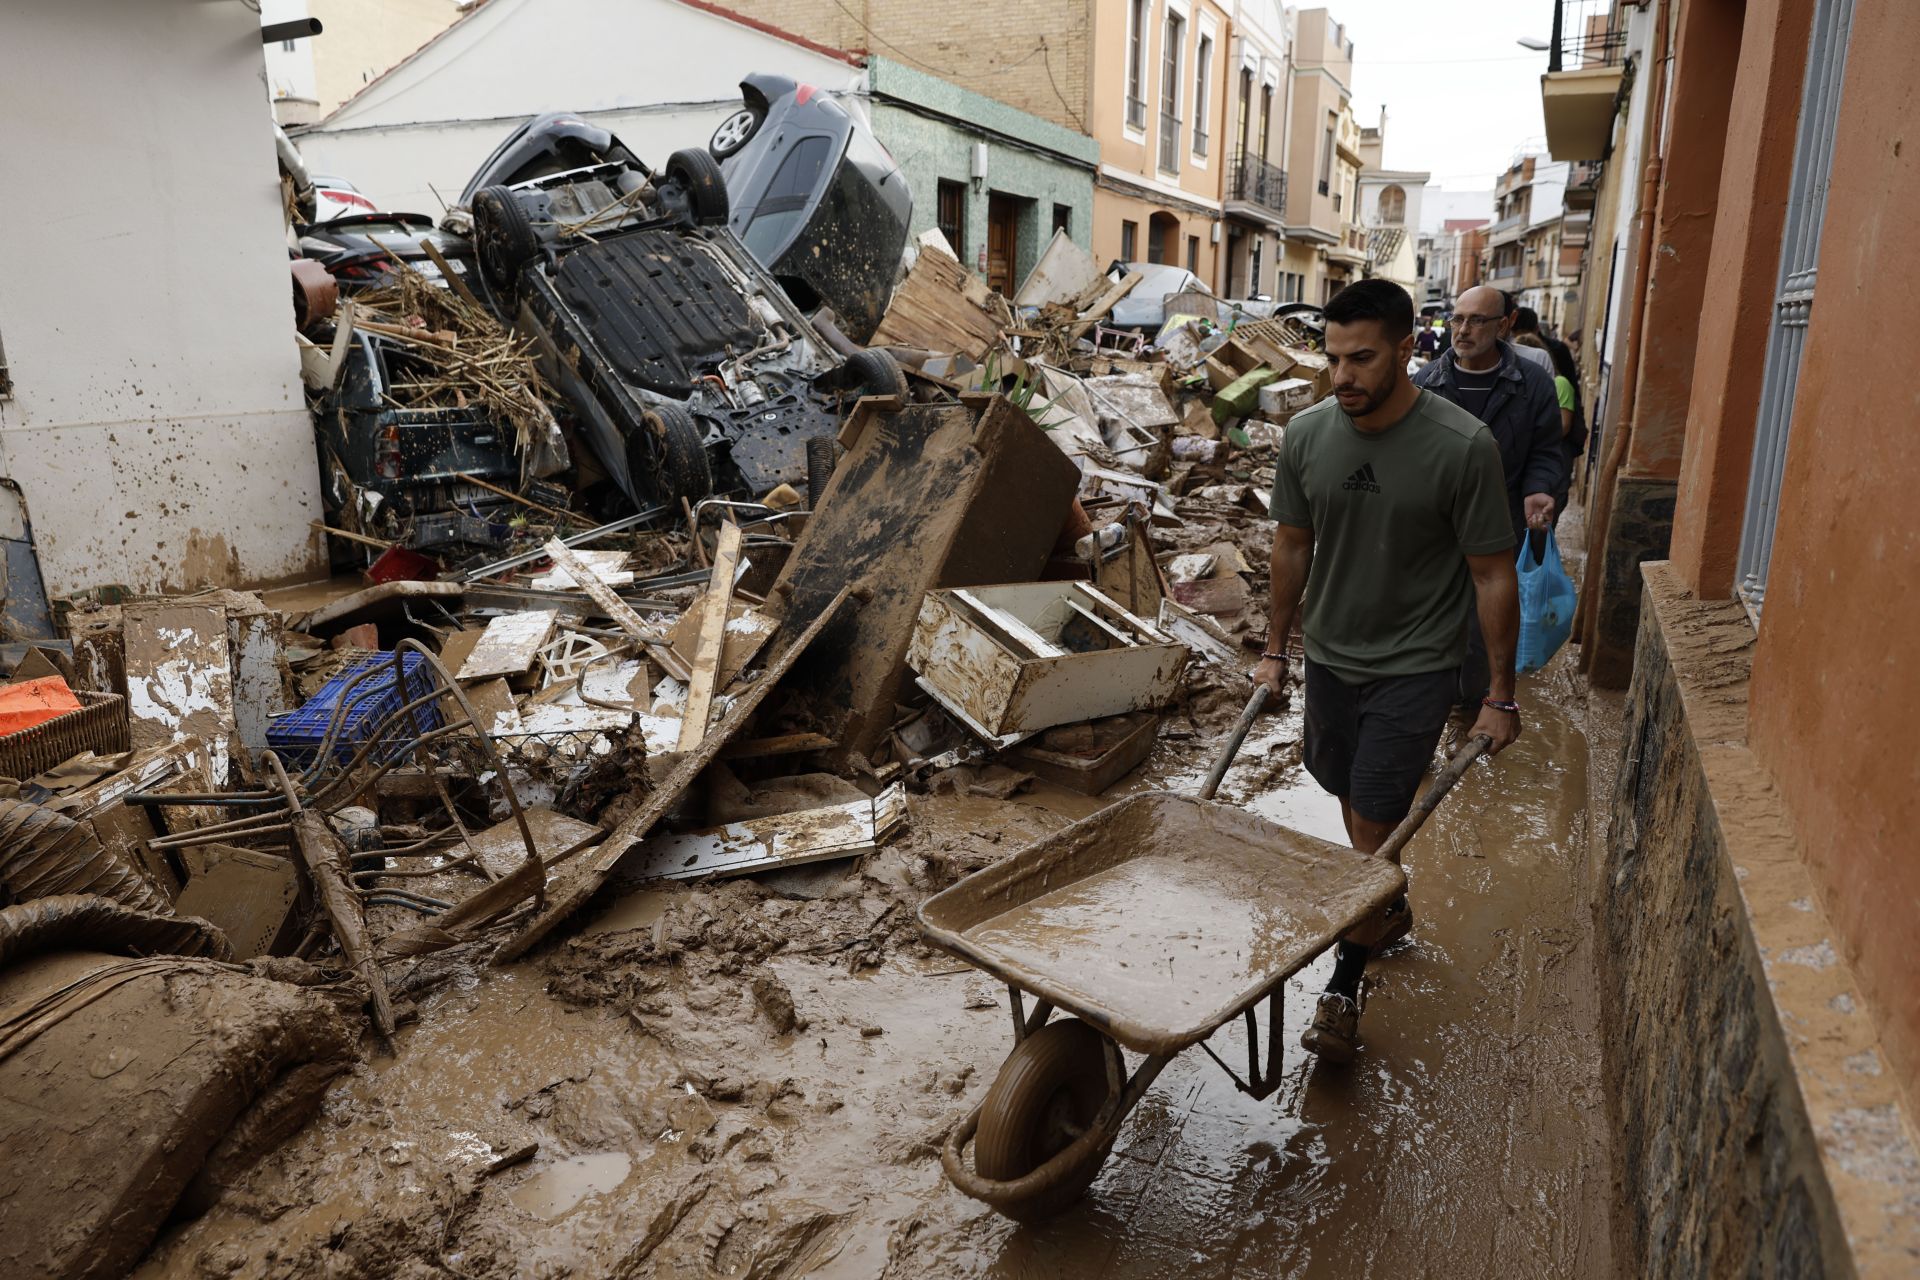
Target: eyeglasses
(1470,322)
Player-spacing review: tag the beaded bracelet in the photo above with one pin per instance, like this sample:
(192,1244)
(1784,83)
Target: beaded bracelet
(1511,708)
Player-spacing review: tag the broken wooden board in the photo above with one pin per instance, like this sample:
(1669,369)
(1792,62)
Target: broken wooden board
(246,893)
(781,840)
(500,850)
(748,631)
(490,700)
(609,567)
(592,870)
(599,592)
(1205,637)
(511,642)
(941,306)
(180,681)
(1104,304)
(705,664)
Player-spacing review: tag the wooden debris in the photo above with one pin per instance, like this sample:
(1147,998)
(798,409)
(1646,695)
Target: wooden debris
(511,643)
(326,860)
(713,634)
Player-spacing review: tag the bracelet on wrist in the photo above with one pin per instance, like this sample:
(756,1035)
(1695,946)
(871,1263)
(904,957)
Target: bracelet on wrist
(1497,704)
(1276,657)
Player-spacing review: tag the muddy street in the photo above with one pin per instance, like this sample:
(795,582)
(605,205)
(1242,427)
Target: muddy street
(676,1130)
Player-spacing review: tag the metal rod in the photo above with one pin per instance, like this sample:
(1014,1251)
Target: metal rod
(576,540)
(1234,739)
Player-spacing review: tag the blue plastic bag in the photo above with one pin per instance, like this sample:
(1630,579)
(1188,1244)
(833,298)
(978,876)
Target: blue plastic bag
(1546,606)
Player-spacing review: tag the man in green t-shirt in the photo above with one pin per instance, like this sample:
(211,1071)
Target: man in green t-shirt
(1392,520)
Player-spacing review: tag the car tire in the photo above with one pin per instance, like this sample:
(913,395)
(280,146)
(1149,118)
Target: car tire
(735,132)
(667,456)
(503,237)
(874,373)
(698,176)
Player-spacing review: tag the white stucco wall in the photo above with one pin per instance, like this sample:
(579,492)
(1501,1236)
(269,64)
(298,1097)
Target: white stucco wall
(156,425)
(658,73)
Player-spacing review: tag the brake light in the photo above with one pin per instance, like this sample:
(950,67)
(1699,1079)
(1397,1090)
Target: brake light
(349,197)
(803,93)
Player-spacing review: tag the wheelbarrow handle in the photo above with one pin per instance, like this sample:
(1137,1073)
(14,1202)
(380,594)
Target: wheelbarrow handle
(1234,739)
(1423,808)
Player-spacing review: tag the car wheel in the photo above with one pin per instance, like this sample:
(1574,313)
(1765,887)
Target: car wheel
(667,456)
(874,373)
(698,176)
(503,237)
(735,132)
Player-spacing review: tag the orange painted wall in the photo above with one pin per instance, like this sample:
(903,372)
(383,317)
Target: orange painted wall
(1737,306)
(1836,680)
(1706,45)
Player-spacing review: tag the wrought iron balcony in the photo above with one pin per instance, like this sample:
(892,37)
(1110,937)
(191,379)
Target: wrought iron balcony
(1169,143)
(1257,181)
(1587,33)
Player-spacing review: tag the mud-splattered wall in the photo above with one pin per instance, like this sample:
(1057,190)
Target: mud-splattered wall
(1759,1131)
(156,424)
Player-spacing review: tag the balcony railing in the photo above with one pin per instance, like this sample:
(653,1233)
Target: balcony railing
(1136,113)
(1587,33)
(1257,181)
(1169,143)
(1503,275)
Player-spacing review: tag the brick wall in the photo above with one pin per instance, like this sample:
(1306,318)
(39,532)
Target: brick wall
(989,46)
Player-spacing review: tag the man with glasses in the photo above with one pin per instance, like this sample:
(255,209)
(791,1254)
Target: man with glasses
(1516,399)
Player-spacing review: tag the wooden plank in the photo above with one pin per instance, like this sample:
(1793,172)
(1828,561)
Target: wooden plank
(591,872)
(785,744)
(180,681)
(1100,309)
(713,636)
(511,642)
(601,594)
(455,280)
(941,307)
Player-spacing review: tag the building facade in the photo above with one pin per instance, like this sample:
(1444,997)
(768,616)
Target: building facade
(1159,113)
(996,181)
(1750,534)
(1254,186)
(157,435)
(1527,204)
(358,41)
(1390,208)
(1326,247)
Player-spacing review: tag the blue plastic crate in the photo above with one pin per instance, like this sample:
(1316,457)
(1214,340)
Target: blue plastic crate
(297,735)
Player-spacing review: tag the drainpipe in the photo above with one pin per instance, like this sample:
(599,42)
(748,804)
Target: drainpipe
(1586,620)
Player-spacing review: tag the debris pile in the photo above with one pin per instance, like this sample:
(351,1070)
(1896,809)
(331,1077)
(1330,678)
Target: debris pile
(625,615)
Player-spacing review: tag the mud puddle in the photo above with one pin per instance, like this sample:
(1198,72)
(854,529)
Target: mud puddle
(723,1080)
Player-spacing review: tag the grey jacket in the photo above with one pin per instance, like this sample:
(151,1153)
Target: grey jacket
(1523,412)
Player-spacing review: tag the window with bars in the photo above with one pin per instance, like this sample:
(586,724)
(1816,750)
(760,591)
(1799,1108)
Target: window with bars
(1793,299)
(952,215)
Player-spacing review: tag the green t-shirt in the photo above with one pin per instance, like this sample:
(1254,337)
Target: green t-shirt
(1394,513)
(1563,389)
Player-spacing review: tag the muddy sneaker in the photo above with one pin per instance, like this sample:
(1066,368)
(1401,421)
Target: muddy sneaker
(1398,923)
(1335,1030)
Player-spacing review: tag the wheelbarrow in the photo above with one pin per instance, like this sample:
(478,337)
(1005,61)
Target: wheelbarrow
(1152,923)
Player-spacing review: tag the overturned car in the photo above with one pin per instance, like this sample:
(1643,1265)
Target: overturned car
(689,369)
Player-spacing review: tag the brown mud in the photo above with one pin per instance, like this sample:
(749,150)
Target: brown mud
(729,1079)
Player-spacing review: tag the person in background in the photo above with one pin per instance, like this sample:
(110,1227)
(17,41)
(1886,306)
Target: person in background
(1390,531)
(1516,399)
(1426,343)
(1527,320)
(1515,314)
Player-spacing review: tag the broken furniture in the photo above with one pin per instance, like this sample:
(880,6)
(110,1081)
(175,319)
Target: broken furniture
(1089,757)
(926,496)
(789,839)
(1009,661)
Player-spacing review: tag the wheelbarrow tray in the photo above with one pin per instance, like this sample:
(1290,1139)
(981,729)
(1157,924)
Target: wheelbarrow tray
(1160,917)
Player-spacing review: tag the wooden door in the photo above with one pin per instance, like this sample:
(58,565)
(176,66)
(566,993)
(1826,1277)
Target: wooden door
(1000,222)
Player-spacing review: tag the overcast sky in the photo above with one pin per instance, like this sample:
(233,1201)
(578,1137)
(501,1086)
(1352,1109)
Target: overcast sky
(1461,95)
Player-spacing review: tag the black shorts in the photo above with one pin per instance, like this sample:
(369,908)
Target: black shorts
(1371,743)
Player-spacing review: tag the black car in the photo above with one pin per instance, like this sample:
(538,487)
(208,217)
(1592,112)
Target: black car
(816,199)
(403,474)
(688,368)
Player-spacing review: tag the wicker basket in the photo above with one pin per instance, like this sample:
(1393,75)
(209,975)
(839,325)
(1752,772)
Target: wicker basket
(100,726)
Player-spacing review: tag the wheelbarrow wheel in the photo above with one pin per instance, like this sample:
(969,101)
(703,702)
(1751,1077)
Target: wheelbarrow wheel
(1047,1094)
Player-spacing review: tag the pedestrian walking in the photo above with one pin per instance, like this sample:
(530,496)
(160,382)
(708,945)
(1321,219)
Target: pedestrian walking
(1510,328)
(1392,523)
(1516,400)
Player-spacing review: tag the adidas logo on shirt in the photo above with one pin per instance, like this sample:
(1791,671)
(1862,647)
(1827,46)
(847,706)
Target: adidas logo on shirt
(1362,479)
